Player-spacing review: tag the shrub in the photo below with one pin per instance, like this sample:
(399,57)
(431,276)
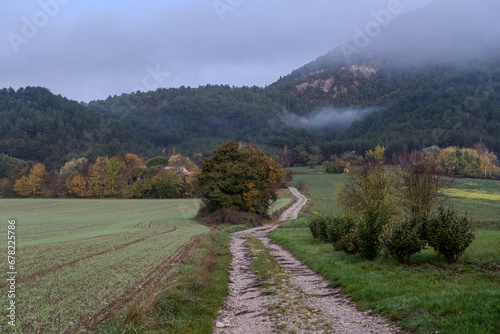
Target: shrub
(450,234)
(331,228)
(336,167)
(339,227)
(369,229)
(318,225)
(402,239)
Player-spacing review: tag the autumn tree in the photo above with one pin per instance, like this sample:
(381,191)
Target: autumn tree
(77,185)
(134,165)
(22,187)
(159,183)
(36,179)
(97,177)
(241,179)
(166,184)
(55,185)
(184,164)
(468,162)
(33,184)
(114,182)
(179,161)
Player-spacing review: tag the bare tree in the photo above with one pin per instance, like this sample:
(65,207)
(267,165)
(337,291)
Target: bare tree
(421,184)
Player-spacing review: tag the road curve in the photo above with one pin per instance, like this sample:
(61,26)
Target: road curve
(292,212)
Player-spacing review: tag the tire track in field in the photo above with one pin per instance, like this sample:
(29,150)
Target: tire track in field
(71,263)
(153,279)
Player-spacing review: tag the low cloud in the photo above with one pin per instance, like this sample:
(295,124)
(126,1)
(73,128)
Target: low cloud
(325,117)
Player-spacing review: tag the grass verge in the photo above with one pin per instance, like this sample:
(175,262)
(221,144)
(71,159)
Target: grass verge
(189,303)
(427,297)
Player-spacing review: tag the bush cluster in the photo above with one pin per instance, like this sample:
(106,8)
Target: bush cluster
(446,232)
(349,242)
(351,235)
(338,229)
(331,229)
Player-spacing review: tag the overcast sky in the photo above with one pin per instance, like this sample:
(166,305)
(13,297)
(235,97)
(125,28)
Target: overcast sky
(91,49)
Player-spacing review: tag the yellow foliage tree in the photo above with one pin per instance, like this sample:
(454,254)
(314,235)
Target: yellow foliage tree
(180,161)
(467,162)
(22,187)
(97,177)
(33,184)
(115,182)
(36,179)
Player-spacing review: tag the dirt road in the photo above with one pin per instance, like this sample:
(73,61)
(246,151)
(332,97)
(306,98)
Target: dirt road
(292,298)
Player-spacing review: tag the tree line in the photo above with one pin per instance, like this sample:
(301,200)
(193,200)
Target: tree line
(475,162)
(121,176)
(128,176)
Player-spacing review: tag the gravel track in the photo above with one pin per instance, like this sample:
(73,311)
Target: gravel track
(303,302)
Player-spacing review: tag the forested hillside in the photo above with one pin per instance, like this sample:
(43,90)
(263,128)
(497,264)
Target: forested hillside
(40,126)
(196,120)
(453,105)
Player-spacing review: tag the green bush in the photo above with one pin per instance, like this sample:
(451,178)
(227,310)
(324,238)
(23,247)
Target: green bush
(402,239)
(336,167)
(339,227)
(335,230)
(318,225)
(369,229)
(450,234)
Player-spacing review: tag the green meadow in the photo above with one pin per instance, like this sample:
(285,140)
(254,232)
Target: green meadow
(480,199)
(428,296)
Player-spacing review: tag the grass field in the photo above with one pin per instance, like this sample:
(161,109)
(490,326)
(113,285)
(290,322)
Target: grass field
(429,296)
(284,198)
(480,199)
(79,260)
